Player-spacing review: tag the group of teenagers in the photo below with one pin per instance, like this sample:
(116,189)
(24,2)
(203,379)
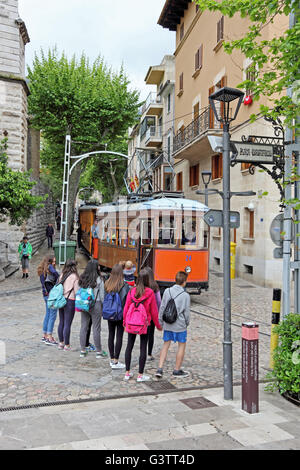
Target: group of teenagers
(140,290)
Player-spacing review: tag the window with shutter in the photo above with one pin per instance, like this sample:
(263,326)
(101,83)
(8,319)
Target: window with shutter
(220,34)
(179,181)
(217,166)
(194,175)
(181,81)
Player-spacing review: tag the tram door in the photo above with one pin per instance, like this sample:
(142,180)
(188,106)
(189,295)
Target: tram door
(146,244)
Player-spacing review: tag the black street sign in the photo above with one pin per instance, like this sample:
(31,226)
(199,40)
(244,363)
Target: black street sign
(246,152)
(214,218)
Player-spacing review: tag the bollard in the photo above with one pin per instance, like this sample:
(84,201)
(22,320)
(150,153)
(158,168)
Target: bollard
(250,367)
(275,321)
(232,259)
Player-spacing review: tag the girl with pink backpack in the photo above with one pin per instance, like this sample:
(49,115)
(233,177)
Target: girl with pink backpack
(140,308)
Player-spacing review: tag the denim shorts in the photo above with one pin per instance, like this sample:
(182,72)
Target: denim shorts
(173,336)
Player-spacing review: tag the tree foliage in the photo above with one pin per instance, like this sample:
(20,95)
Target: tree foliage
(16,201)
(91,102)
(276,59)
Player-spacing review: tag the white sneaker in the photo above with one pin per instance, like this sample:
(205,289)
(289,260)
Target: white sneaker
(127,377)
(143,378)
(117,365)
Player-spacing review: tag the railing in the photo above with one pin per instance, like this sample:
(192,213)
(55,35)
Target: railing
(154,132)
(152,98)
(197,127)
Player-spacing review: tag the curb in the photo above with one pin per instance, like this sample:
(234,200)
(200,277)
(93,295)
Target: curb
(20,291)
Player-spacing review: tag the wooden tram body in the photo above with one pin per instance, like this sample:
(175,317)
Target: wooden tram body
(166,233)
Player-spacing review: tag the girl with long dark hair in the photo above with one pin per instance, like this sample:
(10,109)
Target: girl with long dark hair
(92,278)
(154,286)
(116,284)
(48,277)
(142,293)
(69,277)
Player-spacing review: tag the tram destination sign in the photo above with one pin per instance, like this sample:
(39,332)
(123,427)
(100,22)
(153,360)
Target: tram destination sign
(246,152)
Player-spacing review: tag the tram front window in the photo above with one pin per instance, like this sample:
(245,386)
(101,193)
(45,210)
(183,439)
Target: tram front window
(166,231)
(189,231)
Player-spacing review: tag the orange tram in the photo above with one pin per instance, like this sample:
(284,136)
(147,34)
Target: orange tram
(162,230)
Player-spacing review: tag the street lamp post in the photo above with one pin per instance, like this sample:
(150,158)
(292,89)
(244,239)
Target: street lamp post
(206,178)
(226,96)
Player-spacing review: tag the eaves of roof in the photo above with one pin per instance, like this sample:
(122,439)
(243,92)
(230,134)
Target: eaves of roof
(172,13)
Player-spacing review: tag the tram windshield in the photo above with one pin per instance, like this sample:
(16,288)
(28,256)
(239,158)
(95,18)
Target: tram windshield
(193,232)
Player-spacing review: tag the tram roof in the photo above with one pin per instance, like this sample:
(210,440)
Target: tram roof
(164,203)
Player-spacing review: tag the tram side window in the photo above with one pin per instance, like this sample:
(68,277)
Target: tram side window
(133,233)
(147,234)
(166,231)
(123,238)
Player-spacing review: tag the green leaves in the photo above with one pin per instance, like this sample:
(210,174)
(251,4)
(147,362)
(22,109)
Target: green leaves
(286,371)
(276,55)
(16,201)
(91,101)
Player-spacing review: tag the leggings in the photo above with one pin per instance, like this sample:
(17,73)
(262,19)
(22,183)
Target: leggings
(143,351)
(151,329)
(115,348)
(66,316)
(94,316)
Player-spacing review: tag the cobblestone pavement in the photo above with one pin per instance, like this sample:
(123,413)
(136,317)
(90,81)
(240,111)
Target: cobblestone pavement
(35,373)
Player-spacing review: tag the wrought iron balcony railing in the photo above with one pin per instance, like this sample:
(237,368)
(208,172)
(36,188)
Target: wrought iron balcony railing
(195,129)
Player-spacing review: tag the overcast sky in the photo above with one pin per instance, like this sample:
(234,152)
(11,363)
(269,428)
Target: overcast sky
(119,30)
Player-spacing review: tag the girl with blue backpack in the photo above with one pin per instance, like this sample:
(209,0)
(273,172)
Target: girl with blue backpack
(116,290)
(48,277)
(89,300)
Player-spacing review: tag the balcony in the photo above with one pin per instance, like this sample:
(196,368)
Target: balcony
(191,142)
(153,136)
(152,106)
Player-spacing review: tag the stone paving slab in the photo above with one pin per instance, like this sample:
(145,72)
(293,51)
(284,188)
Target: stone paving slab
(147,423)
(34,374)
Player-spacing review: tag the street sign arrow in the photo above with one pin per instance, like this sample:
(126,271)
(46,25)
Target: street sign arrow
(214,218)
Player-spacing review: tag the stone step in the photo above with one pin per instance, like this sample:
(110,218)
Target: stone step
(11,269)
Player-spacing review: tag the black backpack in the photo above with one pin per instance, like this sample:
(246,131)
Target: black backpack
(170,313)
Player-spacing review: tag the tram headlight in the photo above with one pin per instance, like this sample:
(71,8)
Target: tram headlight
(188,269)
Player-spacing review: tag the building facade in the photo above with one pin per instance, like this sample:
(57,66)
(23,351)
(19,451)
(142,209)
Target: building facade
(23,142)
(202,67)
(151,140)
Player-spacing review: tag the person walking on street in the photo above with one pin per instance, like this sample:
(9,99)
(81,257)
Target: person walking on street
(69,278)
(176,331)
(25,253)
(50,235)
(140,308)
(91,278)
(154,286)
(48,277)
(58,221)
(116,285)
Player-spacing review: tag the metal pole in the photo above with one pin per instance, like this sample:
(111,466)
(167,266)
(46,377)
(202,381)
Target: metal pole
(227,343)
(64,205)
(297,239)
(206,196)
(287,229)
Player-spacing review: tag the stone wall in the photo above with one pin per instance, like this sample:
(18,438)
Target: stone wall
(35,227)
